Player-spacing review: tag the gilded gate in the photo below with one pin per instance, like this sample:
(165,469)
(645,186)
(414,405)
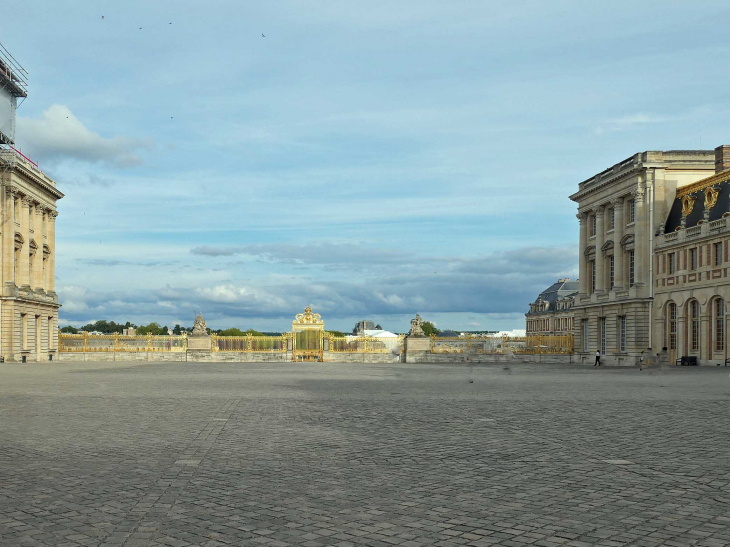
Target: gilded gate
(308,336)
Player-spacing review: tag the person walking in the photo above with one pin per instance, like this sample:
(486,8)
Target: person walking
(598,359)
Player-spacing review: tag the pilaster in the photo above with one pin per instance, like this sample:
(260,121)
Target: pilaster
(582,264)
(37,274)
(51,242)
(640,237)
(8,235)
(23,274)
(600,239)
(705,353)
(618,251)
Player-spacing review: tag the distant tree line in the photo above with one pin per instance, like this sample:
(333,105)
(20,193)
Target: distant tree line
(154,328)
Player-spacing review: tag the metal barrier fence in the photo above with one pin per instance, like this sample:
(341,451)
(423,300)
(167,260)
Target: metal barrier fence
(553,344)
(361,344)
(118,342)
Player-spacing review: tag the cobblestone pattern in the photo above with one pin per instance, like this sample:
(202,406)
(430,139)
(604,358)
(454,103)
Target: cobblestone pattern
(315,454)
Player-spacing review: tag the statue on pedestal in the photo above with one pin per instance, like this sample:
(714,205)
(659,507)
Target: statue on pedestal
(416,327)
(199,328)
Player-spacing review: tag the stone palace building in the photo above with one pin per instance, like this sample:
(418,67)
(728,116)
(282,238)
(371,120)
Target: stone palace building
(28,302)
(552,313)
(653,260)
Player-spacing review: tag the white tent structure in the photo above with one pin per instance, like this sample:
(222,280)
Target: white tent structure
(391,340)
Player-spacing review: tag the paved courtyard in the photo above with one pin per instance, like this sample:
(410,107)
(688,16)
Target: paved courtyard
(331,454)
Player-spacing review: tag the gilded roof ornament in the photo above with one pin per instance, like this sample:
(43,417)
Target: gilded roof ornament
(688,203)
(711,195)
(308,318)
(704,183)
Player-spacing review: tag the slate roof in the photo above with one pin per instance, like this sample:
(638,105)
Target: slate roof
(721,181)
(559,289)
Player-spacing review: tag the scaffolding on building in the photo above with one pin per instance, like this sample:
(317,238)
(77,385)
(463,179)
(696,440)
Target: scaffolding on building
(13,86)
(13,76)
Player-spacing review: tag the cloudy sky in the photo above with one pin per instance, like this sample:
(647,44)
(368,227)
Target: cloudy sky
(372,159)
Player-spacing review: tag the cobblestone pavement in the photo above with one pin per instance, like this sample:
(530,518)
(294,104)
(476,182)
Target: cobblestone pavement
(122,454)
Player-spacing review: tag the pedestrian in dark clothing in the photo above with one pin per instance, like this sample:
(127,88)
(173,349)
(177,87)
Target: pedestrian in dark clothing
(598,359)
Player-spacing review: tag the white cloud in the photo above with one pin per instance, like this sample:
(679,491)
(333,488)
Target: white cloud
(59,135)
(632,121)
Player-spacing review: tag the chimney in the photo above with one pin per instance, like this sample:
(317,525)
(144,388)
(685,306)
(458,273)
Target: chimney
(567,279)
(722,158)
(560,280)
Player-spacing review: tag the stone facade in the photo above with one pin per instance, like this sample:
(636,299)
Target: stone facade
(552,312)
(691,285)
(620,210)
(28,304)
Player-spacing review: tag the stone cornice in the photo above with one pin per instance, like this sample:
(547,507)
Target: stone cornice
(580,194)
(29,174)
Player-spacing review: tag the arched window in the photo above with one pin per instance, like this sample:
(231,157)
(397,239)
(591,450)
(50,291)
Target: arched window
(719,313)
(694,317)
(672,325)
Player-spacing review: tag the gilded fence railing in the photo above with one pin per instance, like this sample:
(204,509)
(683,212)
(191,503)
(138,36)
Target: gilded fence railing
(361,344)
(118,342)
(250,343)
(546,344)
(552,344)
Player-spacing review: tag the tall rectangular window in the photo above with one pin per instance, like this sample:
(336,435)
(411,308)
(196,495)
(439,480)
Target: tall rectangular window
(611,271)
(672,262)
(602,323)
(630,207)
(631,268)
(592,264)
(622,333)
(693,259)
(718,253)
(50,333)
(719,324)
(695,324)
(584,328)
(672,326)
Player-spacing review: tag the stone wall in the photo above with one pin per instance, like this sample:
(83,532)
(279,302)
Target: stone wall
(428,357)
(357,357)
(122,356)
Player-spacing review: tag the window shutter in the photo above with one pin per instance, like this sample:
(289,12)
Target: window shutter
(685,259)
(664,263)
(726,250)
(699,257)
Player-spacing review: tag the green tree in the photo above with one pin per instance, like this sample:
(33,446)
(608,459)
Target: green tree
(177,330)
(70,330)
(232,332)
(153,328)
(429,328)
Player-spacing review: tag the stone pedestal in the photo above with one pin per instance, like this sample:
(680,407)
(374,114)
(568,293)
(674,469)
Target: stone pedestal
(200,343)
(416,347)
